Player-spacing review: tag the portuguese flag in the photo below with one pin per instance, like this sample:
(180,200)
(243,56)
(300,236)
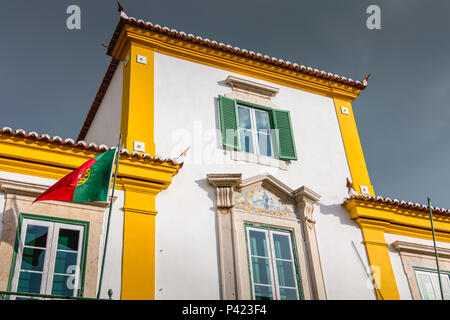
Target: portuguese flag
(90,182)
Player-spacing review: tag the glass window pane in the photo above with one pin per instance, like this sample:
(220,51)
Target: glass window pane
(426,286)
(265,147)
(36,236)
(33,259)
(29,282)
(258,243)
(282,246)
(288,294)
(261,271)
(244,118)
(262,121)
(286,277)
(246,138)
(446,286)
(63,285)
(64,260)
(263,293)
(68,239)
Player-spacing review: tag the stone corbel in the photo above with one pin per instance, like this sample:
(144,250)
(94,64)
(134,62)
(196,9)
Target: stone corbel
(225,185)
(306,199)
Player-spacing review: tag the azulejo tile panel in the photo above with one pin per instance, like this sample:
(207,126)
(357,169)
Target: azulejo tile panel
(262,201)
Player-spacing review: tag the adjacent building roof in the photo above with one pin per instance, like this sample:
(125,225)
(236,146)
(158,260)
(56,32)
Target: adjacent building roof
(56,140)
(396,203)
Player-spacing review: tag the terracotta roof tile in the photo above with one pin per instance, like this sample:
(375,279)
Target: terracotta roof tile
(397,203)
(20,133)
(124,19)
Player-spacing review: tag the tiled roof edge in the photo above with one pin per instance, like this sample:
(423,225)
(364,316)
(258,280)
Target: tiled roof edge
(85,146)
(398,203)
(124,19)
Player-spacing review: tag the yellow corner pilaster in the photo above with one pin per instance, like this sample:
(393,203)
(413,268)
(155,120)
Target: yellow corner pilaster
(138,259)
(380,262)
(137,123)
(353,149)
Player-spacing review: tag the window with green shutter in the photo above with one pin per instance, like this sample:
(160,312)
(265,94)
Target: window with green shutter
(256,129)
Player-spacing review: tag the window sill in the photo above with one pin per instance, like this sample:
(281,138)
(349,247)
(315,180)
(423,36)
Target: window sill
(259,159)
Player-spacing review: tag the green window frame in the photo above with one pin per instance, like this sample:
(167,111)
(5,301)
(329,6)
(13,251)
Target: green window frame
(281,132)
(428,283)
(276,266)
(57,251)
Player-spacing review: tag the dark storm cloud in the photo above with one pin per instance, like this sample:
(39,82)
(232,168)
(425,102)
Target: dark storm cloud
(49,75)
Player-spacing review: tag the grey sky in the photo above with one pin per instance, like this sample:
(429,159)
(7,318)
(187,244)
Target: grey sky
(49,75)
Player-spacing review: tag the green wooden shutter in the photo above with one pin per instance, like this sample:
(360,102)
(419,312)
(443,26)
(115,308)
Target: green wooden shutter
(286,143)
(229,122)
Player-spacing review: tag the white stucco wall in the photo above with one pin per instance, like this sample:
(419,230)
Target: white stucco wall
(2,209)
(186,114)
(113,263)
(112,275)
(397,266)
(106,124)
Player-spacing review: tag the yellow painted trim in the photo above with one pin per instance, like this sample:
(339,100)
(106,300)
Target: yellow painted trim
(377,219)
(352,144)
(137,121)
(40,159)
(219,59)
(402,221)
(380,262)
(138,259)
(134,38)
(141,181)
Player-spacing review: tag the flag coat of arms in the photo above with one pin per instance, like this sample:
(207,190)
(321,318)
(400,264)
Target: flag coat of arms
(90,182)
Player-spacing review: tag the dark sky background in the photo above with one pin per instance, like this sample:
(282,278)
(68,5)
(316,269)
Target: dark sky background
(49,75)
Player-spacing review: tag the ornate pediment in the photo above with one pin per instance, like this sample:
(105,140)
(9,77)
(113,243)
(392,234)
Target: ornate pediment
(259,200)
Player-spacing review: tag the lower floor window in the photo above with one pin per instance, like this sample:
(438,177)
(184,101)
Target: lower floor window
(274,274)
(428,283)
(49,257)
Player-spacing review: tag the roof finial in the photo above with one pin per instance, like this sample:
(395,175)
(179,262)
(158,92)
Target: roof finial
(350,187)
(120,9)
(366,79)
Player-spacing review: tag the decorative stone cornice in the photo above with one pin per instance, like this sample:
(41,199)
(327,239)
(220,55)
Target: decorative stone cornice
(251,86)
(307,195)
(21,188)
(13,189)
(420,249)
(224,179)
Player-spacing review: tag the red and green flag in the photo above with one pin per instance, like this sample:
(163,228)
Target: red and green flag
(90,182)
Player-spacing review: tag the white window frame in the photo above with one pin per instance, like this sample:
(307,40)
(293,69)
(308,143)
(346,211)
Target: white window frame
(434,281)
(254,131)
(272,262)
(50,254)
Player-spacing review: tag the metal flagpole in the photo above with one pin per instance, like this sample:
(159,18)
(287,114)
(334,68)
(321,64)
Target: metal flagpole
(435,250)
(109,215)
